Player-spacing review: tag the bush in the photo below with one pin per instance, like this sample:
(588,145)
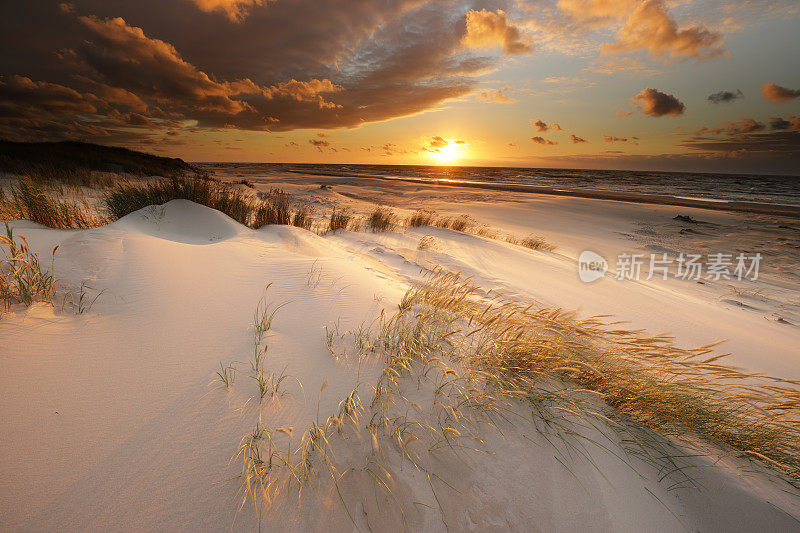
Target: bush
(381,220)
(130,197)
(273,210)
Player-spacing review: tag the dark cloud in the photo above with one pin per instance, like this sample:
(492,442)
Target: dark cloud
(779,94)
(542,140)
(657,104)
(614,139)
(747,137)
(542,127)
(723,97)
(577,140)
(779,124)
(270,66)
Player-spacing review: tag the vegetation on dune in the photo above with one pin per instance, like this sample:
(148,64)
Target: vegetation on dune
(380,220)
(23,279)
(129,197)
(468,358)
(38,202)
(83,164)
(342,219)
(274,209)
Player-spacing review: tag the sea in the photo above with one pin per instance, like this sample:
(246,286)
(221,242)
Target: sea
(767,189)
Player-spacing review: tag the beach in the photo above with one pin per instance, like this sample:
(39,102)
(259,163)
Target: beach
(134,431)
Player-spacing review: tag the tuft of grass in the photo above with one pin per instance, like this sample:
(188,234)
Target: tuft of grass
(341,219)
(381,220)
(460,223)
(422,217)
(38,203)
(226,374)
(129,197)
(303,218)
(22,277)
(274,209)
(536,243)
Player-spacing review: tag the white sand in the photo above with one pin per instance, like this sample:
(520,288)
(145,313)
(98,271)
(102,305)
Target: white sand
(111,422)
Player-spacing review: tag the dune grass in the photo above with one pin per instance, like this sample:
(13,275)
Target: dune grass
(381,219)
(471,359)
(23,278)
(273,209)
(342,219)
(685,395)
(303,218)
(129,197)
(38,202)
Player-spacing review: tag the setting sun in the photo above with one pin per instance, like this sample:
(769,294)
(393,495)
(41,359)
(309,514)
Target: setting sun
(448,153)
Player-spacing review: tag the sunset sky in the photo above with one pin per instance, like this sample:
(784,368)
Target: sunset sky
(706,85)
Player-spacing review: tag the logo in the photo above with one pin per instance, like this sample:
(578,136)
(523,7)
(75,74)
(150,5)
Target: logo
(591,266)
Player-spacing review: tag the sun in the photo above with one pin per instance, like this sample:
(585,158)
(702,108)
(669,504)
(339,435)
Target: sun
(447,154)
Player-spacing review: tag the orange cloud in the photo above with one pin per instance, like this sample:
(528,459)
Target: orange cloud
(779,94)
(499,96)
(577,140)
(657,104)
(487,29)
(651,27)
(235,10)
(542,140)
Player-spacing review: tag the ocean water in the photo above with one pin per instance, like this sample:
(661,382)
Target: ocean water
(781,190)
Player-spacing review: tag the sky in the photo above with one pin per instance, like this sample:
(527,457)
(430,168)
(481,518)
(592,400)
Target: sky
(689,85)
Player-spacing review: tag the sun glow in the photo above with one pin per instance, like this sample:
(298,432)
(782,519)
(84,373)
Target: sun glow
(448,154)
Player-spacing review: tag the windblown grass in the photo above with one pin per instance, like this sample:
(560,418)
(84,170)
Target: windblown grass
(129,197)
(274,209)
(685,395)
(39,203)
(381,220)
(23,279)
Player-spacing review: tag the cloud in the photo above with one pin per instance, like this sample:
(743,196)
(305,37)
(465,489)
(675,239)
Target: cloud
(267,72)
(743,125)
(320,144)
(497,96)
(596,11)
(542,140)
(621,113)
(436,143)
(651,27)
(487,29)
(657,104)
(235,10)
(779,124)
(577,140)
(613,139)
(779,94)
(543,127)
(723,97)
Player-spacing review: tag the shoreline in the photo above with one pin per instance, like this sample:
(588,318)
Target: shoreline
(642,198)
